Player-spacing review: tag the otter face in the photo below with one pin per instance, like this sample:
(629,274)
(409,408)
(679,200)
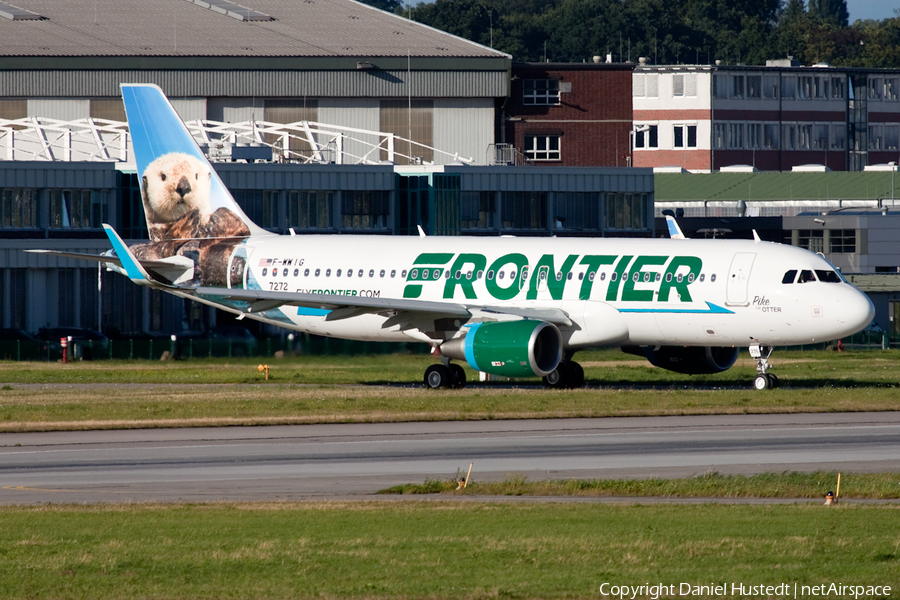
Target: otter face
(175,184)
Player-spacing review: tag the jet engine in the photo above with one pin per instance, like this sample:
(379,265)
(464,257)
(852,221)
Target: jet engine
(690,360)
(523,348)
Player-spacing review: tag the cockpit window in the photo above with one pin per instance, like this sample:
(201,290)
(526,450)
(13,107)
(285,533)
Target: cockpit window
(828,276)
(789,276)
(806,276)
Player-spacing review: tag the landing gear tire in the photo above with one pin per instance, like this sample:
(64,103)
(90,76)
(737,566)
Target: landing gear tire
(438,376)
(762,382)
(773,380)
(576,375)
(557,378)
(459,377)
(567,375)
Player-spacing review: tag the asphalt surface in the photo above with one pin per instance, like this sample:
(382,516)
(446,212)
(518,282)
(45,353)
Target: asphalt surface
(354,460)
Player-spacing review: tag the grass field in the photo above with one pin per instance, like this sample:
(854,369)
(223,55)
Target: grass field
(435,550)
(711,485)
(47,396)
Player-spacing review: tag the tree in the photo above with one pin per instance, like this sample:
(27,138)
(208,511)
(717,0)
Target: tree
(833,12)
(388,5)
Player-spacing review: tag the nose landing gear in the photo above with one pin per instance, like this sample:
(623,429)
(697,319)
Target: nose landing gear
(763,380)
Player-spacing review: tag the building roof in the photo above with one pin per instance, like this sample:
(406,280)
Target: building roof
(841,185)
(220,28)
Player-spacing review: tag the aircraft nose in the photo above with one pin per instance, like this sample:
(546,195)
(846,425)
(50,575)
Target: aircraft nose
(858,311)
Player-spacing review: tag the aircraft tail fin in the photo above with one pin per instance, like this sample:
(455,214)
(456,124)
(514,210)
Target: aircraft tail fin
(674,230)
(183,196)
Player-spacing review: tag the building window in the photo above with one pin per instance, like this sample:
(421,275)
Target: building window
(647,136)
(260,206)
(876,88)
(842,241)
(477,210)
(310,209)
(18,208)
(685,136)
(112,109)
(804,87)
(364,210)
(891,137)
(524,210)
(638,89)
(652,85)
(811,239)
(788,87)
(540,91)
(542,147)
(804,136)
(837,88)
(890,88)
(820,137)
(789,139)
(684,84)
(754,136)
(626,211)
(78,209)
(838,135)
(737,86)
(770,136)
(876,141)
(754,86)
(770,86)
(719,135)
(720,86)
(735,136)
(576,211)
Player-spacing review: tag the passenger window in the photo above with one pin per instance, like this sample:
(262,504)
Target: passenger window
(284,273)
(393,273)
(712,278)
(327,272)
(806,276)
(338,274)
(360,274)
(402,273)
(602,276)
(264,271)
(828,276)
(382,273)
(372,273)
(702,277)
(480,274)
(501,274)
(591,276)
(306,272)
(581,277)
(668,278)
(318,271)
(490,275)
(296,272)
(349,273)
(789,276)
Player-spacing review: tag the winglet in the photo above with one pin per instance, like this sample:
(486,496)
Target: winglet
(756,237)
(132,267)
(421,231)
(674,230)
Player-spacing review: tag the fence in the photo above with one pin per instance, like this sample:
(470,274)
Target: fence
(155,349)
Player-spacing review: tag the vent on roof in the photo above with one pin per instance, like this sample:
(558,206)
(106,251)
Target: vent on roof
(18,14)
(235,11)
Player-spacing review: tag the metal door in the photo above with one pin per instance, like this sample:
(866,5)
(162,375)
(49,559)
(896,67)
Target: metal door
(739,279)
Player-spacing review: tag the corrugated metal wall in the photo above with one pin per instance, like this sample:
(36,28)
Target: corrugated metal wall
(240,176)
(373,83)
(464,126)
(555,179)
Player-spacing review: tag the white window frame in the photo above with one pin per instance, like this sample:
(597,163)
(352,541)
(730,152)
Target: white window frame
(685,135)
(545,153)
(542,92)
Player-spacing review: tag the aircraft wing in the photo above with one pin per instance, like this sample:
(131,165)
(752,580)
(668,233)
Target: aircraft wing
(336,307)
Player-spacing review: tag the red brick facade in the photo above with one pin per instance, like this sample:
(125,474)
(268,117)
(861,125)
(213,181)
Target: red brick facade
(592,119)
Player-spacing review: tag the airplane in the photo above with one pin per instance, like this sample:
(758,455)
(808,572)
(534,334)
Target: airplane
(507,306)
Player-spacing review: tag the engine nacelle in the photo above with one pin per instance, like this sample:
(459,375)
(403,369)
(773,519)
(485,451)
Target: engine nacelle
(691,360)
(510,348)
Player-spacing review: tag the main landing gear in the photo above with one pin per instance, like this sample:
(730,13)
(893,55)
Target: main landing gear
(448,375)
(763,380)
(567,375)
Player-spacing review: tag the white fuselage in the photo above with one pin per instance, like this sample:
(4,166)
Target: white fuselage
(616,291)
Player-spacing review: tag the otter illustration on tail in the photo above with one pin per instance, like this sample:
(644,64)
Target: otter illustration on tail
(189,211)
